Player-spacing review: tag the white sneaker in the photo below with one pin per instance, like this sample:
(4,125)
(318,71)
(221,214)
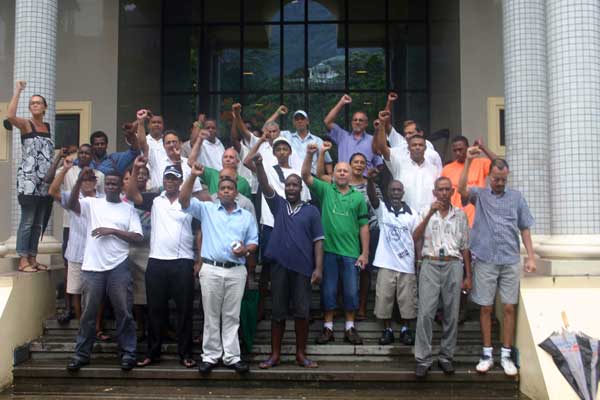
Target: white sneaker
(485,364)
(508,366)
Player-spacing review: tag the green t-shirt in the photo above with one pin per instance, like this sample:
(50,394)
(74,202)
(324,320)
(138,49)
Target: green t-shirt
(211,179)
(342,217)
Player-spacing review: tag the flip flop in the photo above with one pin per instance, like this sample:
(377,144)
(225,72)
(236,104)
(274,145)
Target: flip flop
(28,268)
(188,362)
(145,362)
(306,363)
(270,363)
(41,267)
(100,336)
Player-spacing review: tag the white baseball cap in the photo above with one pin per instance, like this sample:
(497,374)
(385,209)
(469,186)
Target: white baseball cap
(301,112)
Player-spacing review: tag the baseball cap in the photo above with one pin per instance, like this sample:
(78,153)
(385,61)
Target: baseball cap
(301,112)
(281,139)
(173,170)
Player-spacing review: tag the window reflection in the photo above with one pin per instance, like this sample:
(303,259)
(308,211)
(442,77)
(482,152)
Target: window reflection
(326,59)
(222,58)
(261,57)
(325,10)
(319,105)
(257,108)
(221,11)
(366,66)
(293,59)
(367,10)
(180,59)
(179,112)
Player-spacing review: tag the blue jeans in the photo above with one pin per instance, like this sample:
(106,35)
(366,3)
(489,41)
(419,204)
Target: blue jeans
(333,266)
(117,284)
(33,212)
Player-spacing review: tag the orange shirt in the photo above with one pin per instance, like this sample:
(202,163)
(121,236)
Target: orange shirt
(478,172)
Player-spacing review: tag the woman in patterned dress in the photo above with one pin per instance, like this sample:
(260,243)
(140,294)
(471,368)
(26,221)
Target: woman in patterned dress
(37,152)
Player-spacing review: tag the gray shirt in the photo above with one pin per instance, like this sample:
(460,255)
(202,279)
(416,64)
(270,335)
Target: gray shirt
(498,221)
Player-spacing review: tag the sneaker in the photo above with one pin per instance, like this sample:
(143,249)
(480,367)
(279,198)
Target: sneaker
(326,336)
(387,337)
(508,366)
(485,364)
(421,370)
(407,337)
(352,337)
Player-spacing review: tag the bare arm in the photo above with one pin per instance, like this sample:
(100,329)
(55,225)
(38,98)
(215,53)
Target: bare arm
(363,259)
(420,229)
(321,172)
(317,274)
(133,193)
(380,139)
(392,97)
(371,189)
(11,111)
(490,154)
(54,189)
(239,122)
(462,188)
(253,151)
(141,133)
(528,243)
(197,147)
(281,110)
(54,166)
(333,113)
(307,177)
(73,203)
(467,283)
(185,193)
(261,175)
(129,237)
(236,141)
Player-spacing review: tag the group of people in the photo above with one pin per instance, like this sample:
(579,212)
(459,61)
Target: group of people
(139,225)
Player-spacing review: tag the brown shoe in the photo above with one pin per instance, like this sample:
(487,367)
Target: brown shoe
(352,337)
(326,336)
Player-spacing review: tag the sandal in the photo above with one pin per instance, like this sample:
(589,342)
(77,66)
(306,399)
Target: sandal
(100,336)
(145,362)
(306,363)
(28,268)
(188,362)
(41,267)
(270,363)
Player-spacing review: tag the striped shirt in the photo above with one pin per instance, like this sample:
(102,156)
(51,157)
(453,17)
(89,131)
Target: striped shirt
(498,221)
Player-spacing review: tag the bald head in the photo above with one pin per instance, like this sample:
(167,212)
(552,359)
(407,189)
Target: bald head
(341,174)
(229,173)
(230,158)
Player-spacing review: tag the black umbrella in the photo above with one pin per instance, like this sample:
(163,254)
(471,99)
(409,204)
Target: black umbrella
(576,357)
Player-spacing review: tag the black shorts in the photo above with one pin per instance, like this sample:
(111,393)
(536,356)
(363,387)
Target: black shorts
(291,293)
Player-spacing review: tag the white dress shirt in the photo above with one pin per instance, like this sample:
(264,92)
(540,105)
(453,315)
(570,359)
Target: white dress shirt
(397,140)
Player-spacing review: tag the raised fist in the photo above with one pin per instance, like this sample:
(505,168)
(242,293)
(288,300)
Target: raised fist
(236,108)
(373,172)
(282,110)
(392,96)
(473,152)
(346,99)
(67,163)
(142,114)
(257,159)
(312,148)
(203,134)
(376,123)
(202,118)
(384,117)
(140,162)
(326,146)
(197,169)
(21,85)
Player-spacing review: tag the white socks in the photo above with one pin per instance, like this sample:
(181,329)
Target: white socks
(349,325)
(328,325)
(505,353)
(487,351)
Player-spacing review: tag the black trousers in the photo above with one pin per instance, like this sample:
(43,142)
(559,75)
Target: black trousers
(170,279)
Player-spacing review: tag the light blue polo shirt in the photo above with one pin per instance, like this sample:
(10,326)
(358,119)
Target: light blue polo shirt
(220,228)
(299,147)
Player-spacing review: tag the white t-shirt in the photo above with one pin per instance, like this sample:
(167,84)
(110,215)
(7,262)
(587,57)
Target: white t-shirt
(78,232)
(107,252)
(396,248)
(157,166)
(211,154)
(418,180)
(266,151)
(244,171)
(171,237)
(69,183)
(397,140)
(266,217)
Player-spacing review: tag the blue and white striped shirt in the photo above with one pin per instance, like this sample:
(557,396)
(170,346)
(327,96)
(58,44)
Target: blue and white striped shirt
(499,219)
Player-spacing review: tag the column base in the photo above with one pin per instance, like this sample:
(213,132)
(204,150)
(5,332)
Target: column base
(567,255)
(48,245)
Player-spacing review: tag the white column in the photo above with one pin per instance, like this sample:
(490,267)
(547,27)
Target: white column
(35,62)
(573,44)
(525,102)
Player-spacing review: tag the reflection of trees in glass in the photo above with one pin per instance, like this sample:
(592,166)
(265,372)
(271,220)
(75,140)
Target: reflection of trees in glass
(367,69)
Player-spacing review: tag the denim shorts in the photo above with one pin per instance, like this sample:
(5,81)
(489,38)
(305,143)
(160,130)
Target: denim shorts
(335,265)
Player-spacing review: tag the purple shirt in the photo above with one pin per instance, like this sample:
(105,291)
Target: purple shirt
(347,145)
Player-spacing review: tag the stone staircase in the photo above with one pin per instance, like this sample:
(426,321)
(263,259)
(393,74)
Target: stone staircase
(369,370)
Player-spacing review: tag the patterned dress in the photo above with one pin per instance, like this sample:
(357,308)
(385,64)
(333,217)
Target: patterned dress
(37,152)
